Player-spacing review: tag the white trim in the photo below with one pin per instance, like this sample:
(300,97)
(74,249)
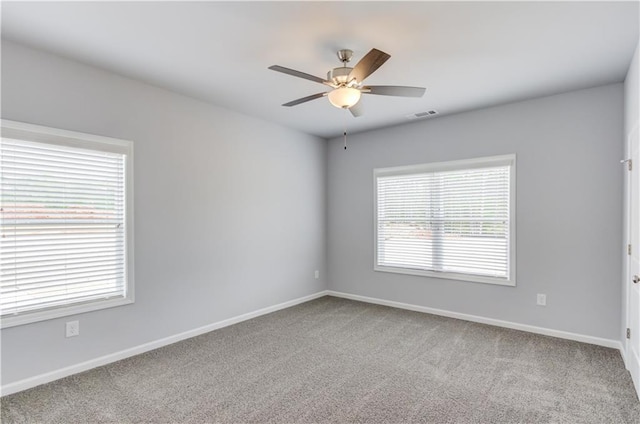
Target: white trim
(470,278)
(634,369)
(37,380)
(631,360)
(62,311)
(481,162)
(626,234)
(43,134)
(614,344)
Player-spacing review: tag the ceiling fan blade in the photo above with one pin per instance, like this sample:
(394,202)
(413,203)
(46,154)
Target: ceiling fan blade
(305,99)
(368,65)
(394,90)
(356,110)
(298,74)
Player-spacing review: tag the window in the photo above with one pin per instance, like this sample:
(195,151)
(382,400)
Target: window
(65,222)
(448,220)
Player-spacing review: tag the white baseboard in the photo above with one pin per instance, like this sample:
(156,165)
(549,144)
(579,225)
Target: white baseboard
(28,383)
(37,380)
(615,344)
(634,369)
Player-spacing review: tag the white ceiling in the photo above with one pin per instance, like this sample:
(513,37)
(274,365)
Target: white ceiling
(467,54)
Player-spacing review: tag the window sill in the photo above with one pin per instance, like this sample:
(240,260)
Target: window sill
(31,317)
(448,275)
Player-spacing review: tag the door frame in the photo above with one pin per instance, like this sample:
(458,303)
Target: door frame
(627,272)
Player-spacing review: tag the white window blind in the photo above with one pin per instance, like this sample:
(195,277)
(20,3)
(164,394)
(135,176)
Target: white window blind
(446,221)
(63,226)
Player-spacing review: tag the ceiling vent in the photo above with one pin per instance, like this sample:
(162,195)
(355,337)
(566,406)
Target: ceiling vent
(421,115)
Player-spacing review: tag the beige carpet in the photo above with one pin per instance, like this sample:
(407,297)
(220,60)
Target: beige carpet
(340,361)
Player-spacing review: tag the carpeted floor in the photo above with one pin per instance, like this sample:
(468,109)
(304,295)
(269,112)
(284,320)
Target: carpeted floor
(336,360)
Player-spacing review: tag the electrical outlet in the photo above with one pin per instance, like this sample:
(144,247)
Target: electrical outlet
(317,274)
(73,328)
(542,299)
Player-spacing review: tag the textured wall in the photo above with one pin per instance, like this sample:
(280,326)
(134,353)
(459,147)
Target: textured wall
(569,209)
(229,210)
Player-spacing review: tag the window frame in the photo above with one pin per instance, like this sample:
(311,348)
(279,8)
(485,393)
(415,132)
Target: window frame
(464,164)
(43,134)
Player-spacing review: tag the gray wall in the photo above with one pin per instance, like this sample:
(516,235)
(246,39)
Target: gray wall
(229,210)
(631,117)
(569,208)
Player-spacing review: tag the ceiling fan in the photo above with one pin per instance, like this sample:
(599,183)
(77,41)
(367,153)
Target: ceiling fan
(347,83)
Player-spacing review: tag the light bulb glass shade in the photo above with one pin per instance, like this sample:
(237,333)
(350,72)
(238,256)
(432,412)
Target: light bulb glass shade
(344,97)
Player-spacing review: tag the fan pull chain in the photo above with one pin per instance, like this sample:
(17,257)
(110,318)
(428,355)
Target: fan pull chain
(345,129)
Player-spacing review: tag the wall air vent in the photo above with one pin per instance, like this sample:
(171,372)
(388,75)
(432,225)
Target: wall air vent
(421,115)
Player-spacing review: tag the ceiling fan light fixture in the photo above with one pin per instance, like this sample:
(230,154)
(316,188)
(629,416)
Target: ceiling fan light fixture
(344,97)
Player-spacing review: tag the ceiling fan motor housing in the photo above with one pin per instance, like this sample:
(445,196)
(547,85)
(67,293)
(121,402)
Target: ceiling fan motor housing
(339,76)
